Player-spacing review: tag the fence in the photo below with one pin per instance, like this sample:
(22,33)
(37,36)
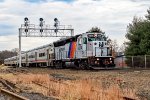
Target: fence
(133,61)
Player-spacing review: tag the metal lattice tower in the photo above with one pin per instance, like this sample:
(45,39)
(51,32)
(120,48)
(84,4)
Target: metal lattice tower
(43,30)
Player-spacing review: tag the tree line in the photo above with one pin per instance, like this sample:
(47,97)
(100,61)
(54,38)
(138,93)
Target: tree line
(6,54)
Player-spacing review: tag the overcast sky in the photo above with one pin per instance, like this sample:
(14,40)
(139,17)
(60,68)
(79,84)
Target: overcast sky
(112,16)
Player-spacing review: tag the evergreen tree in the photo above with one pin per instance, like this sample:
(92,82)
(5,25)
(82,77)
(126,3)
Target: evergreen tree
(138,34)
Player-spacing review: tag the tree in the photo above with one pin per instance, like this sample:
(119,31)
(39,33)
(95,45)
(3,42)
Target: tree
(148,15)
(98,30)
(6,54)
(115,47)
(138,34)
(122,48)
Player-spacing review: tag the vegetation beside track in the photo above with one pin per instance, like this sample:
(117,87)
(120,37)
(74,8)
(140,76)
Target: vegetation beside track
(81,84)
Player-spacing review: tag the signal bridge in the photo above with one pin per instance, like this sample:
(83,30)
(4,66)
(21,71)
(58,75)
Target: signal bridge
(46,31)
(43,30)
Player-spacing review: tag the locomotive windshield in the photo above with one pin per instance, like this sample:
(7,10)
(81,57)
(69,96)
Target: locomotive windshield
(96,37)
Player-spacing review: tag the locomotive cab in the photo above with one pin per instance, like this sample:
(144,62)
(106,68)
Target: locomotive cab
(93,49)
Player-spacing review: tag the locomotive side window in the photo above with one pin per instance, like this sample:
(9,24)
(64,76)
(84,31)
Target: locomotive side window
(80,41)
(91,37)
(84,40)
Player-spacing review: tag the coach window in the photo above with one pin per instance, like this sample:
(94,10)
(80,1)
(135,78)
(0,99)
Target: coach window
(41,54)
(49,56)
(23,57)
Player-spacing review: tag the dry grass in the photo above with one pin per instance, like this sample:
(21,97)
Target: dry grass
(84,89)
(101,85)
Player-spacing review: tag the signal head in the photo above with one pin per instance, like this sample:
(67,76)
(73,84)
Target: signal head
(41,19)
(26,19)
(55,19)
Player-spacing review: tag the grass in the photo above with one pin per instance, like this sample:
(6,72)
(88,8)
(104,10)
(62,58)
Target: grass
(83,85)
(82,89)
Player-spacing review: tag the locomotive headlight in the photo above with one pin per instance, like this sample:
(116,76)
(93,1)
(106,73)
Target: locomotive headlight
(97,58)
(110,58)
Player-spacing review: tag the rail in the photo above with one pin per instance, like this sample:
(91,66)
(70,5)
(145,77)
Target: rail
(128,98)
(11,95)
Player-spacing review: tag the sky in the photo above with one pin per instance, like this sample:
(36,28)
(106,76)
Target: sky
(112,16)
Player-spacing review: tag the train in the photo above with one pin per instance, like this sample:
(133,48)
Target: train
(83,51)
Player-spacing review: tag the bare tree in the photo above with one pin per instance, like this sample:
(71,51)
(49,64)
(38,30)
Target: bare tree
(6,54)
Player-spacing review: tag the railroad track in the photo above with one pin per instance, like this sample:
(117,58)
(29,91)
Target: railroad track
(128,98)
(11,95)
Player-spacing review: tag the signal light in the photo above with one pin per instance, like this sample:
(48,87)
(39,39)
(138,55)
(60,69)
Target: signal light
(26,24)
(41,24)
(55,19)
(41,19)
(41,30)
(56,30)
(26,30)
(55,25)
(26,19)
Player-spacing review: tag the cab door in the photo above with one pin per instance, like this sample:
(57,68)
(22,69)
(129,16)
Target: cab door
(79,47)
(84,47)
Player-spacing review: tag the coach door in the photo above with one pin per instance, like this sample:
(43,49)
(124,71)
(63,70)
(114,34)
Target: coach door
(35,56)
(48,57)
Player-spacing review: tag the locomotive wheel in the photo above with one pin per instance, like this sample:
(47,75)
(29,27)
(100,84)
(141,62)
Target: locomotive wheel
(82,65)
(57,65)
(61,64)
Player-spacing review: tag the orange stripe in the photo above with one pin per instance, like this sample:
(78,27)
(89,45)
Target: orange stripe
(73,49)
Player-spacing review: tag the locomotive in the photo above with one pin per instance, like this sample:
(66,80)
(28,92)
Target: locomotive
(83,51)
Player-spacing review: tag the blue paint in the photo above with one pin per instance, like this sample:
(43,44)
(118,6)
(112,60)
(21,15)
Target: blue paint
(70,46)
